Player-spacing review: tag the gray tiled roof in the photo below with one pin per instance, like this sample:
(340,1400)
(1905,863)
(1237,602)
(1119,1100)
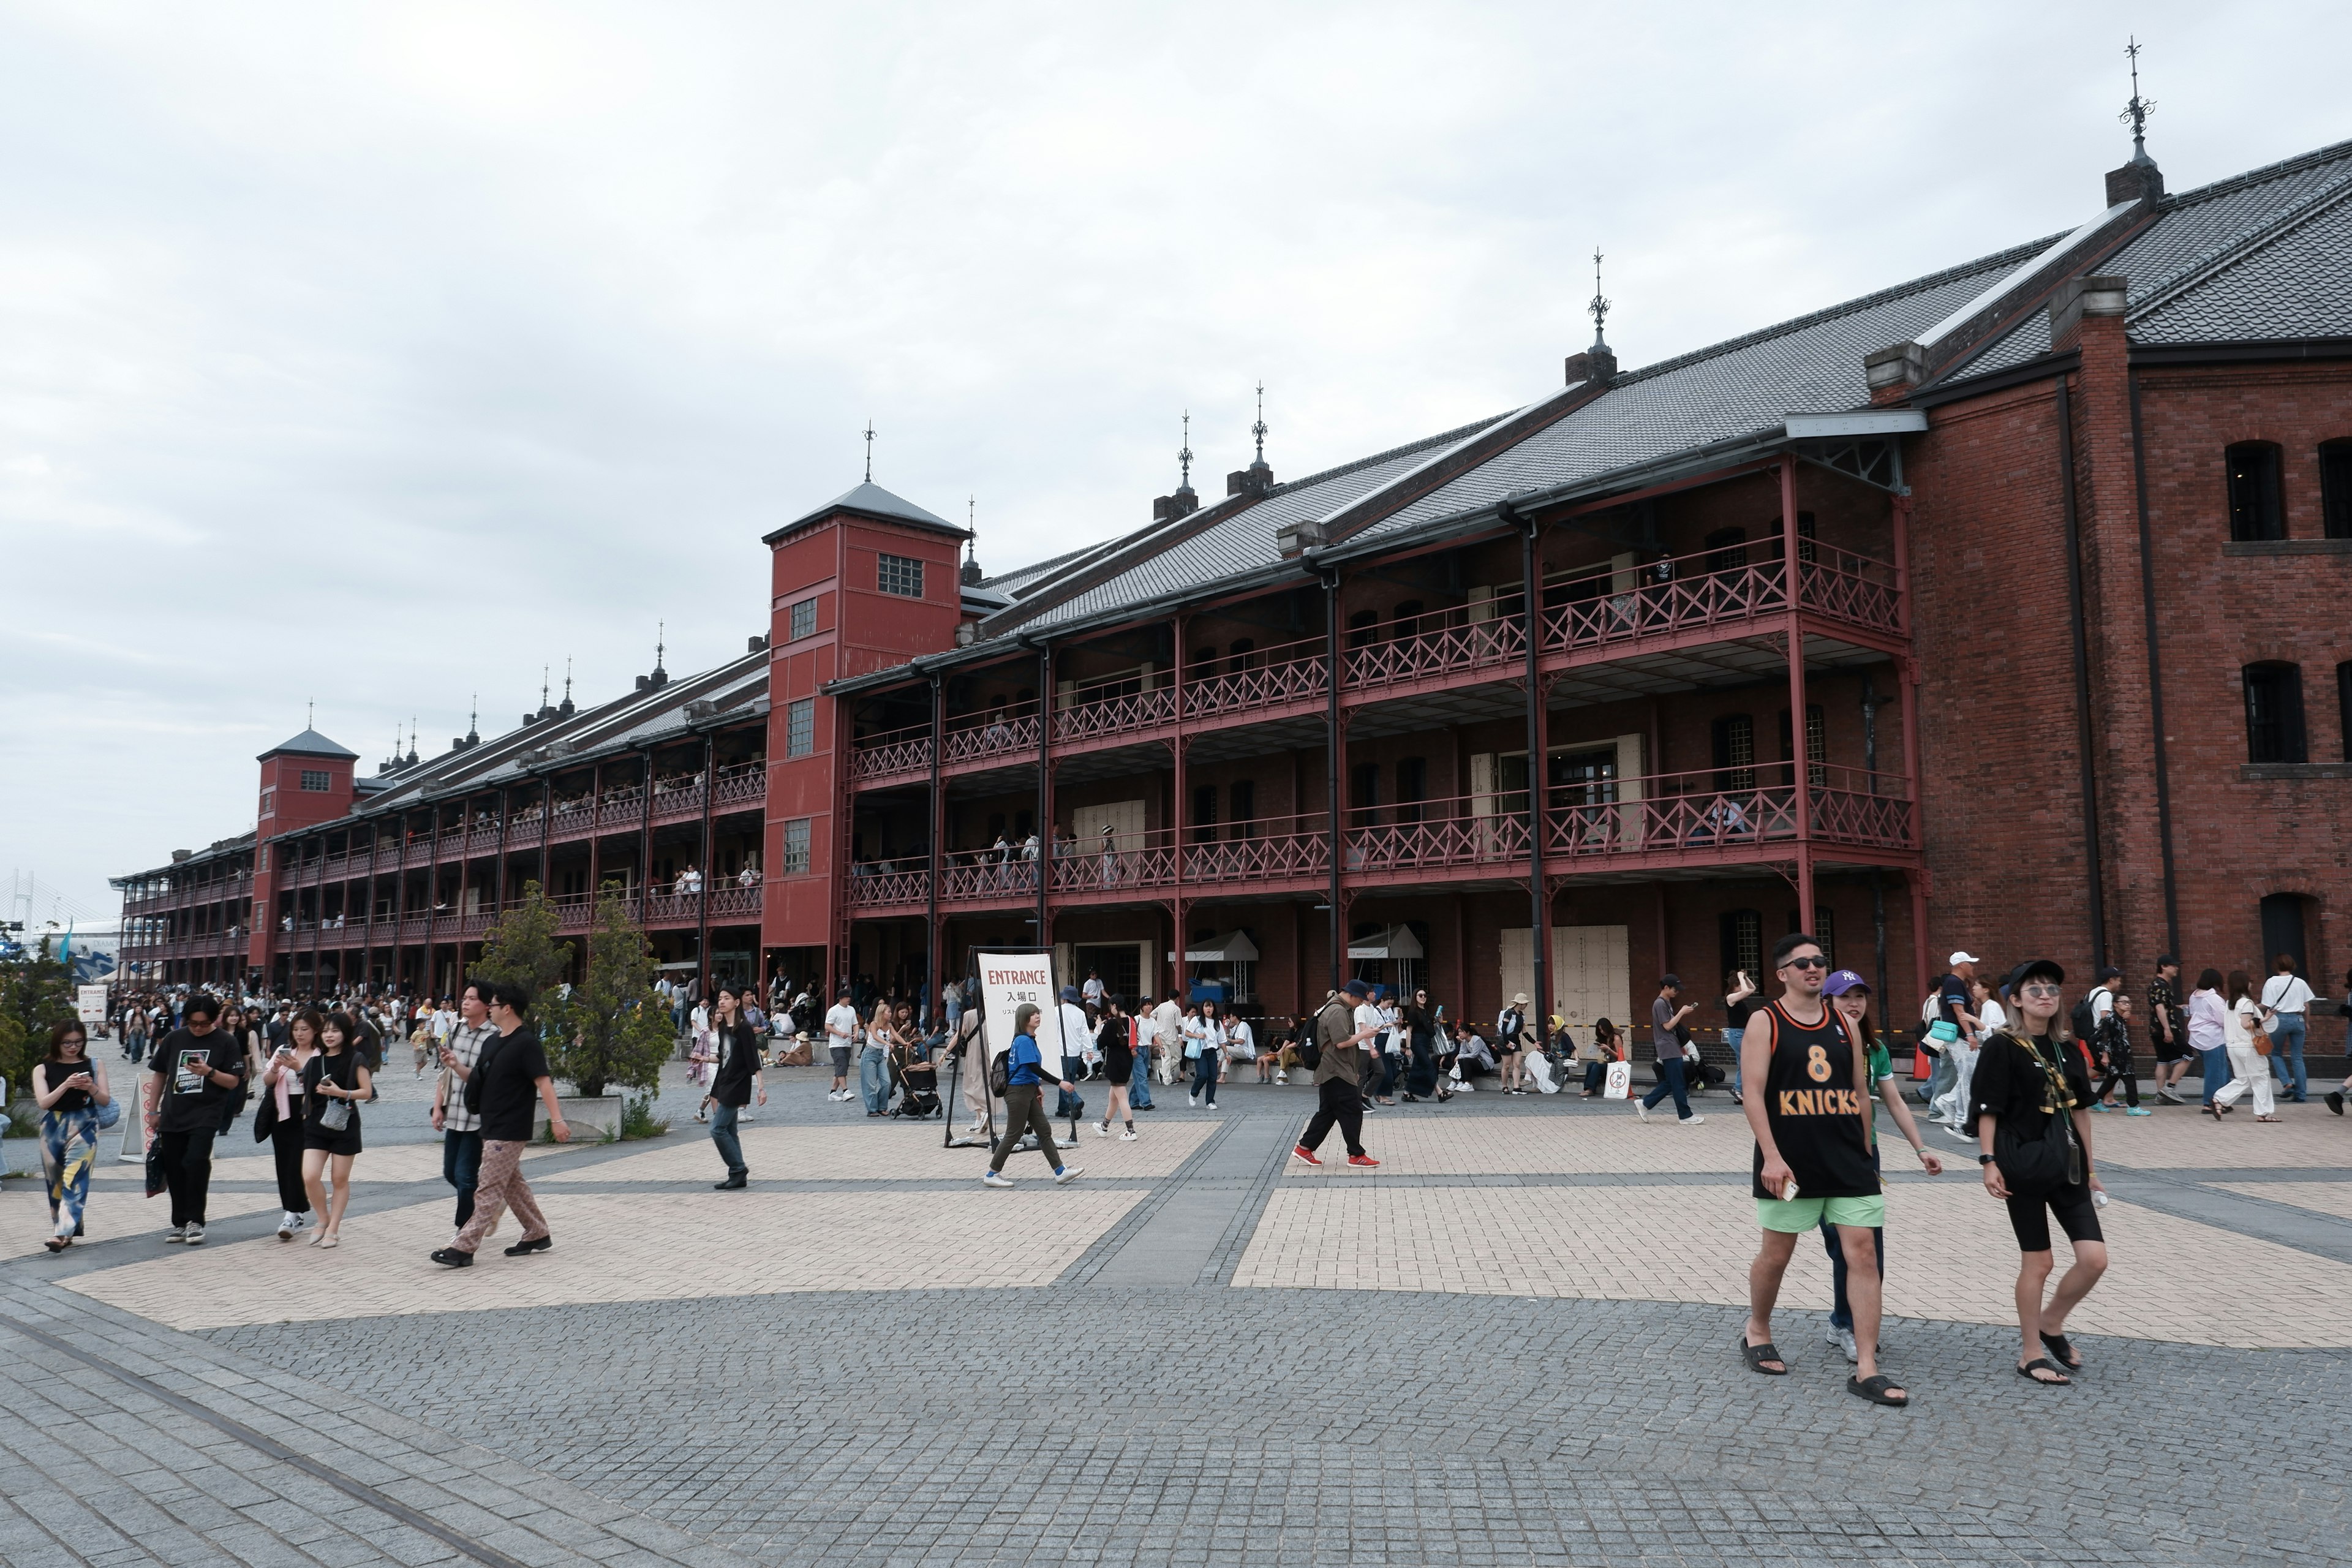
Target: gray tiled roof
(2273,241)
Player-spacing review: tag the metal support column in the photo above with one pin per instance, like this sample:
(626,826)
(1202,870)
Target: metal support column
(1538,770)
(1800,765)
(1180,810)
(706,870)
(1042,867)
(1331,750)
(933,975)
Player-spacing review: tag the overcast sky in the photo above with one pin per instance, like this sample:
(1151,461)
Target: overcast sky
(378,355)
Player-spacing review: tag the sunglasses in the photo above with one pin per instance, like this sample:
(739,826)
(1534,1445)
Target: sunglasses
(2039,991)
(1812,962)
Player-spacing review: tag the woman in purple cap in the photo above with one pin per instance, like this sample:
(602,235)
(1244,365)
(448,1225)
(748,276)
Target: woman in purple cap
(1850,995)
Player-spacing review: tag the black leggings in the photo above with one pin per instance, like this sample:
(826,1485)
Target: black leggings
(285,1148)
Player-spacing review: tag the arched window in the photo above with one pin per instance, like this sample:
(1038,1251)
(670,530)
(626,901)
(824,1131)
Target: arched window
(2255,513)
(1735,752)
(1240,656)
(1404,622)
(1204,661)
(1360,627)
(2335,488)
(1743,943)
(2274,714)
(1727,550)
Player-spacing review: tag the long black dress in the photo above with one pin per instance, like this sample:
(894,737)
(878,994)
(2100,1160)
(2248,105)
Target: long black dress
(1421,1075)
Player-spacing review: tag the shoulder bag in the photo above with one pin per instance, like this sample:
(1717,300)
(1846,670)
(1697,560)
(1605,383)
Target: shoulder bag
(336,1114)
(2037,1162)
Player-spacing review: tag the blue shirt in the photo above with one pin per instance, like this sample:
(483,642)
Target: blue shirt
(1025,1062)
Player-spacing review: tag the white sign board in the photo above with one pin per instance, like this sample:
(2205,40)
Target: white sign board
(1006,981)
(89,1004)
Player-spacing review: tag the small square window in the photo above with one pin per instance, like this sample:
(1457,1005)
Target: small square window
(800,727)
(803,619)
(269,805)
(315,781)
(902,575)
(796,846)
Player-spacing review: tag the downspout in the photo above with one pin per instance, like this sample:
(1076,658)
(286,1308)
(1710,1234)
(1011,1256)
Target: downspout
(1044,862)
(1877,873)
(2155,676)
(2079,636)
(702,883)
(939,858)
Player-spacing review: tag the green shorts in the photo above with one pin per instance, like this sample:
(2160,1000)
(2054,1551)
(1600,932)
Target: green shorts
(1799,1215)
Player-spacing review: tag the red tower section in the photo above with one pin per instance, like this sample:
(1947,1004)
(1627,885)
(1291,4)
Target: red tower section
(865,582)
(304,782)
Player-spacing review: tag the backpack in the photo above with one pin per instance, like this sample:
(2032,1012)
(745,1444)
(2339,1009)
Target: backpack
(1000,1074)
(2084,1017)
(1310,1043)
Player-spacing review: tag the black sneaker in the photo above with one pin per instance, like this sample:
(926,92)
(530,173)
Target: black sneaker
(2334,1099)
(450,1257)
(524,1248)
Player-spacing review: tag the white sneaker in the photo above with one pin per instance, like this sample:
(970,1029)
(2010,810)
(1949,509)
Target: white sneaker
(286,1225)
(1102,1129)
(1960,1134)
(1843,1339)
(1641,1110)
(196,1236)
(1128,1136)
(1282,1077)
(1692,1121)
(177,1233)
(995,1179)
(1068,1174)
(1191,1099)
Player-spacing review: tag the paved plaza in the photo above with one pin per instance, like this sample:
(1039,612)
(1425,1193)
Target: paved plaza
(1510,1344)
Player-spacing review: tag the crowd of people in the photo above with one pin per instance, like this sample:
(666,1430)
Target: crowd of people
(2016,1074)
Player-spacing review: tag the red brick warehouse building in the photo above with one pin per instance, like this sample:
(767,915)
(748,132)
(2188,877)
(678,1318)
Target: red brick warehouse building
(2001,608)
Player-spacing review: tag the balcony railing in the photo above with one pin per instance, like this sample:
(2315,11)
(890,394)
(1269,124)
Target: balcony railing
(1005,733)
(871,886)
(1726,808)
(1440,642)
(744,782)
(892,752)
(1432,835)
(1262,678)
(677,798)
(1113,707)
(1718,586)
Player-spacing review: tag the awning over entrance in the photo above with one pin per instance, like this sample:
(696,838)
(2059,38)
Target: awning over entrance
(1230,947)
(1397,941)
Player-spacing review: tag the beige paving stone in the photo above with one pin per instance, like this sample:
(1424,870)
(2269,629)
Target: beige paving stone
(882,1152)
(112,1213)
(2177,1138)
(1951,1256)
(2333,1199)
(632,1246)
(1466,1144)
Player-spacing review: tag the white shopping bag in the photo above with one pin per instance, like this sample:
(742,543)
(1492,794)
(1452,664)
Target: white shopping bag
(1621,1081)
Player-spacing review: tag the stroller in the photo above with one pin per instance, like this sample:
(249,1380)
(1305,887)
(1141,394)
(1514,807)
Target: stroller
(919,1087)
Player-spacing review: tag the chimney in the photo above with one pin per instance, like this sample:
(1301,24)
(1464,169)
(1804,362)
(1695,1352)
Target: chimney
(1894,370)
(1254,481)
(2105,294)
(757,645)
(1294,539)
(644,682)
(1595,364)
(2139,178)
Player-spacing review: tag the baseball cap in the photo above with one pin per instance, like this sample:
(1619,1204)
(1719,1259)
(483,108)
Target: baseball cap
(1356,988)
(2111,973)
(1670,982)
(2032,969)
(1069,993)
(1963,956)
(1844,981)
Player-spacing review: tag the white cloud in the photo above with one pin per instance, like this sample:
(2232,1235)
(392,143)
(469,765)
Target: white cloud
(377,355)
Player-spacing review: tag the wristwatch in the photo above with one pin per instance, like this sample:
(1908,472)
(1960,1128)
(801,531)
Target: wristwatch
(1984,1159)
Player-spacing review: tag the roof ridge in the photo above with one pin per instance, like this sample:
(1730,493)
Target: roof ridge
(1997,259)
(1036,566)
(1359,464)
(2275,224)
(2239,182)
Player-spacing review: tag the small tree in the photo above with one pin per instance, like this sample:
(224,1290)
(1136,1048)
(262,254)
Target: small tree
(36,993)
(522,948)
(614,1029)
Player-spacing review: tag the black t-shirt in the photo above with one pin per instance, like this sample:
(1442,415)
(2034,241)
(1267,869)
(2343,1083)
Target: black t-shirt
(1117,1050)
(2009,1083)
(186,1108)
(507,1073)
(342,1071)
(1739,1012)
(57,1072)
(1819,1120)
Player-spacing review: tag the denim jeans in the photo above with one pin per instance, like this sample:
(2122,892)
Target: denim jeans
(2287,1051)
(1946,1073)
(1139,1088)
(722,1132)
(874,1079)
(1732,1037)
(1670,1081)
(1841,1310)
(2216,1070)
(461,1167)
(1069,1104)
(1205,1076)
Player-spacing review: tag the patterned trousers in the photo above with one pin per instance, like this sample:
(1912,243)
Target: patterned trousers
(68,1148)
(500,1187)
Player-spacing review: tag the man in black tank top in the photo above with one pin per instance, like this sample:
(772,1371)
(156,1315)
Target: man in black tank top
(1808,1103)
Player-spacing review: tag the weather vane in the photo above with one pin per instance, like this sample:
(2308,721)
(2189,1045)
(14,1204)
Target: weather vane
(1185,453)
(1599,309)
(1257,429)
(2136,111)
(869,451)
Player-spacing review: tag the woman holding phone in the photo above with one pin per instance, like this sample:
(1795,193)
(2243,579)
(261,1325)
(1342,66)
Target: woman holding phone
(334,1083)
(281,1118)
(70,1090)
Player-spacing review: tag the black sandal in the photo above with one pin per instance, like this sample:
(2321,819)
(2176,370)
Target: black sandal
(1876,1387)
(2043,1364)
(2063,1350)
(1756,1355)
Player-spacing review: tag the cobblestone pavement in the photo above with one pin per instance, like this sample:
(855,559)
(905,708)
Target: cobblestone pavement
(1510,1344)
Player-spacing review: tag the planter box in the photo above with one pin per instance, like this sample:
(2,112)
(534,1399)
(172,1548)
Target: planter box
(589,1120)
